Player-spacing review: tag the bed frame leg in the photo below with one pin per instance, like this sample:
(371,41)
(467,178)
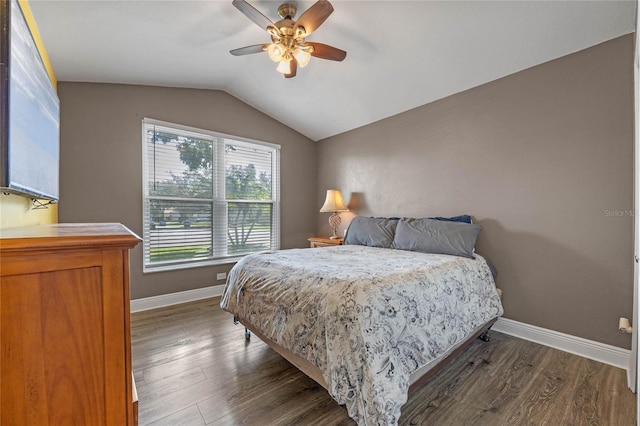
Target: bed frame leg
(247,333)
(485,337)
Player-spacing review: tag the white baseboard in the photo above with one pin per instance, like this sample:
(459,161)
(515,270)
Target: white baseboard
(153,302)
(607,354)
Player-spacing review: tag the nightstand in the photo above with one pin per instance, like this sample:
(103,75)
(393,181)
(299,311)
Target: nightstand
(324,242)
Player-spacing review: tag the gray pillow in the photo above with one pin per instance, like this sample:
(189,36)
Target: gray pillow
(369,231)
(436,236)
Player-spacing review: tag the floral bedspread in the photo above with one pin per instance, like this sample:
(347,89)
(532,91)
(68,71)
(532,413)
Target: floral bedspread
(367,317)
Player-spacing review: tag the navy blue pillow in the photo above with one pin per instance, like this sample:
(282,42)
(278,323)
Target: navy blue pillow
(465,218)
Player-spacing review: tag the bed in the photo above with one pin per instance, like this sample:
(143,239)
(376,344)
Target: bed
(364,321)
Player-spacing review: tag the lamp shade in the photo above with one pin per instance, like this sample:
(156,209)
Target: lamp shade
(284,67)
(302,56)
(275,52)
(334,202)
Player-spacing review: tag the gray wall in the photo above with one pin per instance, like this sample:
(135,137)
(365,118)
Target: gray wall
(543,159)
(101,163)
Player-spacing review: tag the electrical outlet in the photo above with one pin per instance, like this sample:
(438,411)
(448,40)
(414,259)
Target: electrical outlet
(221,276)
(624,325)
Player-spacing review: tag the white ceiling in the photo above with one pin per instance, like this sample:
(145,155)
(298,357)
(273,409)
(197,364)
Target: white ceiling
(401,54)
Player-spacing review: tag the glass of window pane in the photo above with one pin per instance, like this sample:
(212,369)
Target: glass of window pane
(181,165)
(179,230)
(248,173)
(249,227)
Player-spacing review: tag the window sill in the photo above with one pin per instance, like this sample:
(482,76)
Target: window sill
(178,266)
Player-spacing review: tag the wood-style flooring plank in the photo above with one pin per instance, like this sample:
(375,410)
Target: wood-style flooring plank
(193,366)
(189,416)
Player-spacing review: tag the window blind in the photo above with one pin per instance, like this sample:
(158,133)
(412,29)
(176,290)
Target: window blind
(208,198)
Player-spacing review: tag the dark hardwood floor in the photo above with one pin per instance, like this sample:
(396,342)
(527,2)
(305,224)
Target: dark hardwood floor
(193,366)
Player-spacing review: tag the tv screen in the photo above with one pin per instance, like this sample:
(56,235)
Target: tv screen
(31,115)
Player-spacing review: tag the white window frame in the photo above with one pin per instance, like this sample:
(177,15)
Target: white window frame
(218,200)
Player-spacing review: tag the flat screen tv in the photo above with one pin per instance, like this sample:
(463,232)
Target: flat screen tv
(29,112)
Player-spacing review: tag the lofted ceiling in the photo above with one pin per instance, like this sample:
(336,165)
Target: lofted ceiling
(401,54)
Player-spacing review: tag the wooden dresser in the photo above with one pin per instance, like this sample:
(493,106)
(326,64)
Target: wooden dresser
(65,336)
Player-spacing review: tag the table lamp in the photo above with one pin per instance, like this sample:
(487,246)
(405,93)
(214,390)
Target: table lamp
(334,204)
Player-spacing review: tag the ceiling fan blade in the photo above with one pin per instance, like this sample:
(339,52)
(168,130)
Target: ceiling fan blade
(313,17)
(294,68)
(324,51)
(253,14)
(247,50)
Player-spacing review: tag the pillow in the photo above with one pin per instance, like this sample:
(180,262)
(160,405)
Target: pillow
(370,231)
(465,218)
(436,236)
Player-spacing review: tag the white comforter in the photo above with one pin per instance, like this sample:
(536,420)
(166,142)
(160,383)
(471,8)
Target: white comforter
(367,317)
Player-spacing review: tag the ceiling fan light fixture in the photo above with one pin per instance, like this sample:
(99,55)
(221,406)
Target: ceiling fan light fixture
(302,56)
(273,31)
(275,51)
(284,67)
(288,47)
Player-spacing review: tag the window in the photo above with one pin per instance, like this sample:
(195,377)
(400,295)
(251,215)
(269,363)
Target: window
(208,198)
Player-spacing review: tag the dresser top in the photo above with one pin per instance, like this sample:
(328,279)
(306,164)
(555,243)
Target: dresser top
(68,235)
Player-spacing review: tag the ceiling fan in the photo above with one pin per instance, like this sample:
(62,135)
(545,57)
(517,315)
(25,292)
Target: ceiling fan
(288,46)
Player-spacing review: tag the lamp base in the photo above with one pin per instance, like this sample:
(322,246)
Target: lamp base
(334,222)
